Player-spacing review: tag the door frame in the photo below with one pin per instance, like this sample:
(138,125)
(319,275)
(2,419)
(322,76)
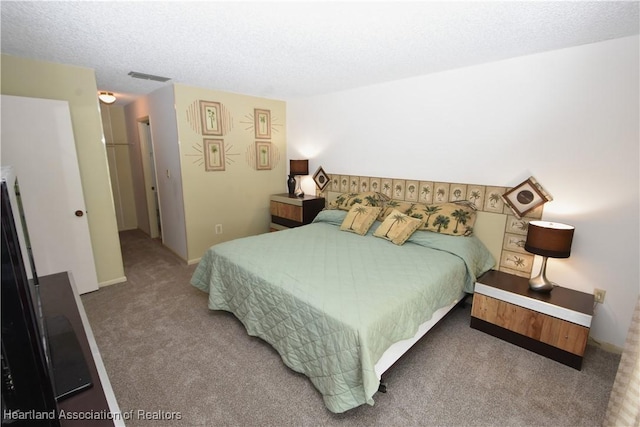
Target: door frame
(152,196)
(38,142)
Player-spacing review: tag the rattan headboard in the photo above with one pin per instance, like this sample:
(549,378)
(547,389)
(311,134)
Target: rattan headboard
(496,226)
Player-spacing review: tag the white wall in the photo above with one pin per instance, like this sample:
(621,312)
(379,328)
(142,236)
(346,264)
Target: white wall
(568,117)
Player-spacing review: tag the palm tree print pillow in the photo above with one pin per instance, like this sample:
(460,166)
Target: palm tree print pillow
(360,218)
(399,205)
(346,201)
(397,227)
(453,218)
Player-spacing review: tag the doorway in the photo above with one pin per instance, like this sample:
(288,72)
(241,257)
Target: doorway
(50,186)
(150,179)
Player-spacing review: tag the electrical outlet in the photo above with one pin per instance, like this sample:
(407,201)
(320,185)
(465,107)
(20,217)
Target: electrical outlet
(599,295)
(218,228)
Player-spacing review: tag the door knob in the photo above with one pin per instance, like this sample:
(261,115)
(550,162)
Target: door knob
(79,213)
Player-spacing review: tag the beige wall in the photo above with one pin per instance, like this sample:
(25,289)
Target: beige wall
(133,113)
(118,154)
(192,200)
(238,197)
(38,79)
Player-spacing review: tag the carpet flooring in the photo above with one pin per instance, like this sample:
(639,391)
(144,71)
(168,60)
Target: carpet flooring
(165,351)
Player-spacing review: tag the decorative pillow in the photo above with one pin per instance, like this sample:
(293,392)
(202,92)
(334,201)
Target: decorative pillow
(360,218)
(345,201)
(397,227)
(453,218)
(391,205)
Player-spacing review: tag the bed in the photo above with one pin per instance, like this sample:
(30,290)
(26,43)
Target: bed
(339,306)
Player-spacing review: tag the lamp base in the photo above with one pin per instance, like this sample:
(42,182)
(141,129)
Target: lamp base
(291,185)
(540,283)
(298,190)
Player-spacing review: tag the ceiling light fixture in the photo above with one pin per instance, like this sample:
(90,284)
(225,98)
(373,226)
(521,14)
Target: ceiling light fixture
(107,97)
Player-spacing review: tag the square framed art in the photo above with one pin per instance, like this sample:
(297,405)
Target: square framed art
(525,197)
(262,123)
(213,154)
(321,178)
(210,118)
(263,155)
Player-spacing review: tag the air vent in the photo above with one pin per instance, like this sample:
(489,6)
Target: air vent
(144,76)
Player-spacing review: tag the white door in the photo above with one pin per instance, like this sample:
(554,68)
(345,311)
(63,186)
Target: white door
(37,141)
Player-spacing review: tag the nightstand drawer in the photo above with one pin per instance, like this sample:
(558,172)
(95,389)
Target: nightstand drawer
(538,326)
(283,210)
(508,316)
(565,335)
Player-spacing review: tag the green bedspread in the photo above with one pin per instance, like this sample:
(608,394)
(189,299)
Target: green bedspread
(331,302)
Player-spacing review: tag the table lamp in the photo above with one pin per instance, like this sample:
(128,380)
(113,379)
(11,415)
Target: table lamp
(547,239)
(296,167)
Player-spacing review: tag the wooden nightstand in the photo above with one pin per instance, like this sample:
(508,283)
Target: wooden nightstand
(291,211)
(555,324)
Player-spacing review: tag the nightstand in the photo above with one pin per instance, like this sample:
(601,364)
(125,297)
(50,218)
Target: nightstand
(292,211)
(554,324)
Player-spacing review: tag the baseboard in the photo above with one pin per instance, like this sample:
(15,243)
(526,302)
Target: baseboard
(610,348)
(112,282)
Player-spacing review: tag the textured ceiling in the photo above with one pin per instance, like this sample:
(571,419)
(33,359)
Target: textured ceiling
(290,49)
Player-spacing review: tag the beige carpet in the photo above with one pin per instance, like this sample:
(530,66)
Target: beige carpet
(165,351)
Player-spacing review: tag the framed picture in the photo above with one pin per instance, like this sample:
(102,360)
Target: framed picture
(213,154)
(386,187)
(344,183)
(374,184)
(412,191)
(335,183)
(525,197)
(364,183)
(263,155)
(441,192)
(426,192)
(262,123)
(211,118)
(398,189)
(321,178)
